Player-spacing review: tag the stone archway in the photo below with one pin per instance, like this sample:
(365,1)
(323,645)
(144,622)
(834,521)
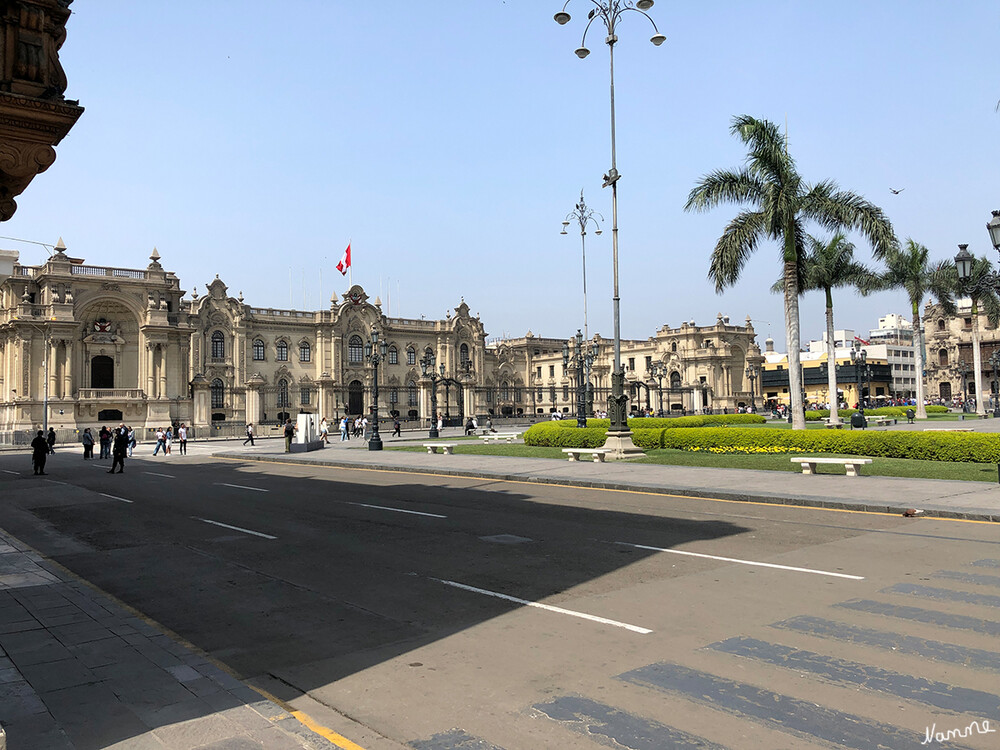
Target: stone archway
(355,397)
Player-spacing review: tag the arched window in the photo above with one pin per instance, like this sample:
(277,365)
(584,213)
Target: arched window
(941,325)
(355,350)
(393,355)
(943,357)
(218,345)
(411,390)
(305,353)
(675,380)
(505,391)
(304,395)
(283,394)
(218,394)
(673,346)
(411,355)
(282,351)
(463,353)
(258,350)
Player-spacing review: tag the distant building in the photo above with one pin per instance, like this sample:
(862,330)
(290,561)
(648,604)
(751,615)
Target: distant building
(948,344)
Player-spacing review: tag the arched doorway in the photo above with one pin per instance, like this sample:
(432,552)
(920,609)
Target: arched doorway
(102,372)
(355,397)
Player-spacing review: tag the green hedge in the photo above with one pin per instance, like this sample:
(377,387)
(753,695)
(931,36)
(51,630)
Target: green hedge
(885,411)
(959,446)
(649,423)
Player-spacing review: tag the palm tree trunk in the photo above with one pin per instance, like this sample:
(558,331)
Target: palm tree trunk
(831,361)
(977,359)
(792,342)
(918,359)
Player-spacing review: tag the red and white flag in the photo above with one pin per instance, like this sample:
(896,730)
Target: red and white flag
(345,262)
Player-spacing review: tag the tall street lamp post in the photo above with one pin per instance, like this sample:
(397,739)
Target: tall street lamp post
(580,360)
(752,377)
(995,383)
(610,12)
(974,288)
(427,368)
(658,370)
(376,352)
(963,370)
(859,358)
(584,216)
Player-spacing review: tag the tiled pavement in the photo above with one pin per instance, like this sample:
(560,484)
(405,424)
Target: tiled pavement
(80,671)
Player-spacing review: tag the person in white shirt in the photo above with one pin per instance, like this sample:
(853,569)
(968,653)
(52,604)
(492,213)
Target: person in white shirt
(324,431)
(182,439)
(160,440)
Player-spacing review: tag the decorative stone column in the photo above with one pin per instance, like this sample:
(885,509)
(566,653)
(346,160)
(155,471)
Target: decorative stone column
(253,410)
(201,390)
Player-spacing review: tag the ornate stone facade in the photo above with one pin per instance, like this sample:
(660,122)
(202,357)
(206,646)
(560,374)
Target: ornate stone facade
(948,342)
(99,344)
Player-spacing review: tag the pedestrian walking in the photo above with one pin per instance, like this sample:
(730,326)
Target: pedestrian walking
(324,431)
(249,435)
(51,440)
(119,448)
(182,439)
(39,450)
(168,438)
(344,432)
(88,444)
(289,434)
(396,427)
(131,441)
(160,438)
(440,423)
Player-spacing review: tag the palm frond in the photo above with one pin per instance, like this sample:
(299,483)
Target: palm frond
(723,186)
(838,209)
(734,248)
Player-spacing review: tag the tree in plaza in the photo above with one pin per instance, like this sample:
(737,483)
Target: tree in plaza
(825,266)
(781,202)
(909,269)
(981,293)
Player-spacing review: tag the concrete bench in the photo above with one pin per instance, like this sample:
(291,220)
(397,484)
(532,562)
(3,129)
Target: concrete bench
(882,420)
(831,425)
(850,464)
(496,437)
(446,447)
(948,429)
(598,454)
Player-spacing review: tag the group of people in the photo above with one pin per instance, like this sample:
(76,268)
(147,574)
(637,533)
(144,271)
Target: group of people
(165,439)
(106,439)
(115,444)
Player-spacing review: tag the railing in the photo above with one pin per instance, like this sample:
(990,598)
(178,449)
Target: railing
(107,394)
(121,273)
(25,271)
(281,313)
(16,437)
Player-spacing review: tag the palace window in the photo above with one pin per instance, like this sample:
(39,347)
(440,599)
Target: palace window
(258,350)
(305,352)
(393,355)
(304,396)
(463,353)
(411,356)
(282,352)
(393,396)
(283,402)
(411,389)
(218,394)
(355,350)
(218,345)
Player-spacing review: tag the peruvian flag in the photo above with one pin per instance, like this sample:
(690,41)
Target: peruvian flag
(345,262)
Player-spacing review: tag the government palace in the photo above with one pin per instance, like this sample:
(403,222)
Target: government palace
(95,345)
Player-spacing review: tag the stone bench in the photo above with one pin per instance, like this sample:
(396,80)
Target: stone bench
(882,420)
(850,464)
(496,437)
(831,425)
(948,429)
(446,447)
(598,454)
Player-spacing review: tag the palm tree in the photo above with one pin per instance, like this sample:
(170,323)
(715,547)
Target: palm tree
(824,267)
(781,203)
(908,269)
(980,293)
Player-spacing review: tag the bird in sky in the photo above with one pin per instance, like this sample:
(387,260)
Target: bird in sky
(896,192)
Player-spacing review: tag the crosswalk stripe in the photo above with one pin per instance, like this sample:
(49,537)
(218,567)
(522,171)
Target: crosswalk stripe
(774,710)
(946,595)
(976,579)
(844,672)
(599,721)
(976,658)
(987,563)
(455,739)
(929,616)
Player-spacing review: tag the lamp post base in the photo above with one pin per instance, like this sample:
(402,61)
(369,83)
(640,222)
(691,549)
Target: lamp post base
(375,444)
(621,446)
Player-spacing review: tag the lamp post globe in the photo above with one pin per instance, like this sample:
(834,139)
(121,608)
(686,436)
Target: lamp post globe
(993,227)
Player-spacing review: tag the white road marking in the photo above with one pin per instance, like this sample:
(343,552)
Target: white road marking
(155,474)
(745,562)
(399,510)
(122,499)
(234,528)
(6,471)
(547,607)
(241,487)
(53,481)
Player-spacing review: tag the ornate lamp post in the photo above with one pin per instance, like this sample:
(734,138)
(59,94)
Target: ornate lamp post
(974,288)
(375,352)
(963,370)
(859,358)
(580,360)
(658,370)
(752,374)
(427,368)
(610,12)
(993,227)
(584,217)
(995,383)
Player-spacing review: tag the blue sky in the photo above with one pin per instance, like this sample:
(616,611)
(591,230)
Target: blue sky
(448,141)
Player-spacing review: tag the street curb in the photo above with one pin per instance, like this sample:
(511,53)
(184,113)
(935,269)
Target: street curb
(745,497)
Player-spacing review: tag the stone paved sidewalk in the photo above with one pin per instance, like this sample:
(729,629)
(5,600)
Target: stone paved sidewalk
(78,671)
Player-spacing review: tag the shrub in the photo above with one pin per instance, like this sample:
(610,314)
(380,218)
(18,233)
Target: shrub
(555,434)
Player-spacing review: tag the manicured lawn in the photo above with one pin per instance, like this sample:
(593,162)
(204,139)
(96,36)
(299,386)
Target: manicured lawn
(886,467)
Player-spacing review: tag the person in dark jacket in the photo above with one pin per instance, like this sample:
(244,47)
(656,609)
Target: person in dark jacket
(39,450)
(88,443)
(120,449)
(51,440)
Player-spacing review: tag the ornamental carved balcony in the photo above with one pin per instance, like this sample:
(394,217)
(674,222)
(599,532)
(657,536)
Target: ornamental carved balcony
(34,114)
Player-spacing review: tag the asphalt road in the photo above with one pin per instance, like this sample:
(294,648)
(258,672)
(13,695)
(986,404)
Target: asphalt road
(409,603)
